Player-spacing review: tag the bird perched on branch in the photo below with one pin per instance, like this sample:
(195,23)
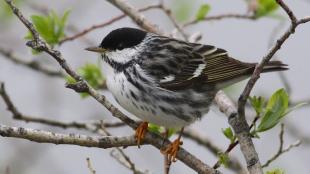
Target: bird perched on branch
(166,81)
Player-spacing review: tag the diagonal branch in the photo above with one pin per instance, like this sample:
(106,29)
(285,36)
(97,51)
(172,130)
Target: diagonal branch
(104,24)
(220,17)
(89,166)
(82,86)
(281,150)
(270,54)
(233,163)
(135,16)
(75,124)
(240,120)
(32,64)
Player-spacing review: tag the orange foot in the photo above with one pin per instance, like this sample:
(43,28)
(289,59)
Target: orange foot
(172,150)
(140,132)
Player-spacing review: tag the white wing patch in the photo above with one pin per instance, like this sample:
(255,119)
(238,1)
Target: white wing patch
(209,51)
(198,71)
(167,79)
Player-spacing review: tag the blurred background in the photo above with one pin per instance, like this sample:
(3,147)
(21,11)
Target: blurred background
(43,96)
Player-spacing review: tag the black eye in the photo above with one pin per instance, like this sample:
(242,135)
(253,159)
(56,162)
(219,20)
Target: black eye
(120,46)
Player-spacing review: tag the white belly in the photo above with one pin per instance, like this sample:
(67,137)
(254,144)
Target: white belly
(122,91)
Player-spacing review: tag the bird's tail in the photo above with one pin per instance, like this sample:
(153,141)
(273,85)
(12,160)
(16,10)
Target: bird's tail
(235,71)
(274,66)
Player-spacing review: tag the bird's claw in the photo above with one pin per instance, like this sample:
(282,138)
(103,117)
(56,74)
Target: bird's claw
(140,132)
(172,150)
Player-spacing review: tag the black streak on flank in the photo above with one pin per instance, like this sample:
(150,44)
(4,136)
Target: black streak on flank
(133,95)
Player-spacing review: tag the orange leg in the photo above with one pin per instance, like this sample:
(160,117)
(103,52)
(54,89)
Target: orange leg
(140,132)
(173,148)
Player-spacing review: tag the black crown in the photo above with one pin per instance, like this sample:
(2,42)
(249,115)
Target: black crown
(123,38)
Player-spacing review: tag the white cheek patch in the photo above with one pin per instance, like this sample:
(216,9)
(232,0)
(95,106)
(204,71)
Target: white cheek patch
(167,79)
(199,70)
(122,56)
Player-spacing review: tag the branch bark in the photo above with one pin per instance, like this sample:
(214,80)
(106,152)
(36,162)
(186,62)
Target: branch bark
(135,16)
(41,136)
(104,24)
(32,64)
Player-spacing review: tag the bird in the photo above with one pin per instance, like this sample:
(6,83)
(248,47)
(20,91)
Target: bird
(166,81)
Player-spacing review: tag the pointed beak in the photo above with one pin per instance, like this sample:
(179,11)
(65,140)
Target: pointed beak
(96,49)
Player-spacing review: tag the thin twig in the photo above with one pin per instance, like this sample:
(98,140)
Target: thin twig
(104,24)
(118,154)
(233,163)
(7,170)
(204,141)
(75,124)
(124,160)
(173,20)
(90,167)
(271,42)
(220,17)
(281,151)
(295,132)
(135,16)
(34,65)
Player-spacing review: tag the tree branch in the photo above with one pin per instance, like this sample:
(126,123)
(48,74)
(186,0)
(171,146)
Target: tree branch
(135,16)
(281,151)
(41,136)
(89,166)
(241,130)
(32,64)
(220,17)
(270,54)
(233,162)
(124,160)
(104,24)
(239,120)
(75,124)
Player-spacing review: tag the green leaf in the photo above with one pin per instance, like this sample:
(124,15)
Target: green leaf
(50,27)
(6,11)
(275,171)
(266,7)
(258,104)
(183,10)
(160,130)
(275,110)
(229,134)
(154,128)
(91,73)
(70,80)
(223,158)
(203,11)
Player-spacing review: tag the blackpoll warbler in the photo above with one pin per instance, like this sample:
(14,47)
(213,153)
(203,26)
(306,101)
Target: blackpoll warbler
(166,81)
